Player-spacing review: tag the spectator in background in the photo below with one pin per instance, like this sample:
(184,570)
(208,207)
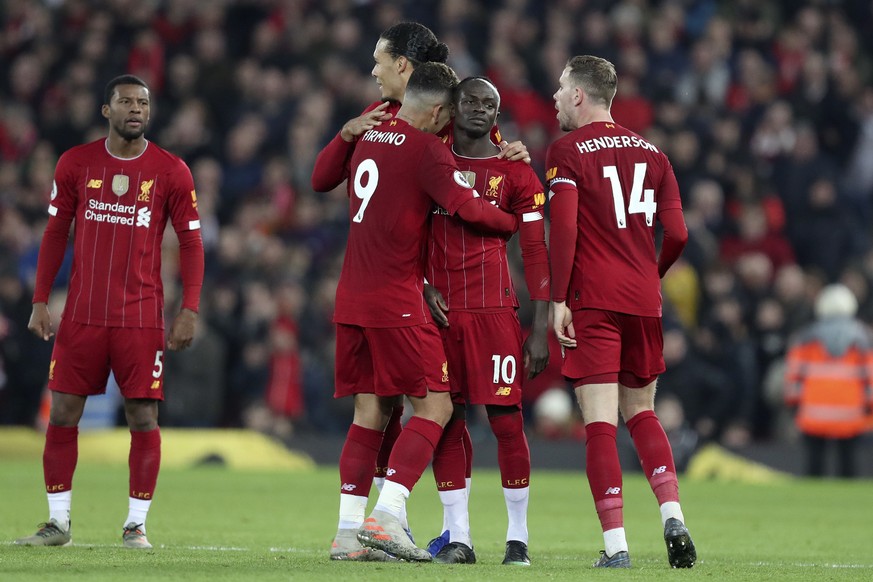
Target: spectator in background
(829,381)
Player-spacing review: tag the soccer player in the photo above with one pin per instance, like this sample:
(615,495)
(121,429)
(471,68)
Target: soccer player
(399,50)
(607,186)
(387,346)
(472,298)
(120,191)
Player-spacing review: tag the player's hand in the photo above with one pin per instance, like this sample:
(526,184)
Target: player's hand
(562,322)
(437,305)
(41,321)
(514,151)
(182,330)
(356,127)
(536,353)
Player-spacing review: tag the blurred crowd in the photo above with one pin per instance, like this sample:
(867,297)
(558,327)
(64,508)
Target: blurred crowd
(764,107)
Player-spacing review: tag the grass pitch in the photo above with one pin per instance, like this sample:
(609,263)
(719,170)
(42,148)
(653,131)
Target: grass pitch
(212,523)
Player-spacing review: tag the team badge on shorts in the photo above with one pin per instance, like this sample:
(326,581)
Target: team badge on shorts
(120,184)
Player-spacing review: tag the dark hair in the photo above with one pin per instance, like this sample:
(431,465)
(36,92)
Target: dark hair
(416,42)
(466,81)
(435,79)
(121,80)
(596,76)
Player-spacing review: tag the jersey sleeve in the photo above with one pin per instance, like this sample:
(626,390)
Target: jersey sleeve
(440,178)
(64,195)
(332,164)
(563,209)
(183,199)
(668,190)
(528,204)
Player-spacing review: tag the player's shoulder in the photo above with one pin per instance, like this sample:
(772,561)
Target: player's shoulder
(83,152)
(393,107)
(165,157)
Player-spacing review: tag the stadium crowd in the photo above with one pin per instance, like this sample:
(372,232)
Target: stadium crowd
(765,109)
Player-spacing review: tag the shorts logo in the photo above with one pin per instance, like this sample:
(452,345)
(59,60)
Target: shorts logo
(156,385)
(390,472)
(52,369)
(120,184)
(613,491)
(143,217)
(445,372)
(95,184)
(349,487)
(503,391)
(144,190)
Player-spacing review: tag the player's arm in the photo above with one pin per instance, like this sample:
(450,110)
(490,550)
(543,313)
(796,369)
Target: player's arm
(332,163)
(564,205)
(671,218)
(535,258)
(186,223)
(487,217)
(53,247)
(51,256)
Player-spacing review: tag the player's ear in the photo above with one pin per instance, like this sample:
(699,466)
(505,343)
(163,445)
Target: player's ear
(104,111)
(401,63)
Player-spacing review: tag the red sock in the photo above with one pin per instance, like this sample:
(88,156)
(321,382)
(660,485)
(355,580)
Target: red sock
(392,431)
(513,453)
(413,451)
(59,457)
(449,461)
(468,452)
(604,474)
(358,459)
(144,462)
(655,454)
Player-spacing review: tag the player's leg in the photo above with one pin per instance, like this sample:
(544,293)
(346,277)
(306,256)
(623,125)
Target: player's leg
(513,458)
(137,359)
(642,361)
(392,431)
(78,368)
(599,405)
(449,470)
(593,365)
(408,361)
(354,377)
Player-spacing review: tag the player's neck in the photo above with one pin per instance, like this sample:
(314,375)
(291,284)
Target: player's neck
(125,148)
(474,147)
(594,116)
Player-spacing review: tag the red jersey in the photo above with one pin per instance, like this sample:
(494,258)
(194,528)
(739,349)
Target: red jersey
(620,183)
(120,207)
(396,174)
(332,163)
(471,269)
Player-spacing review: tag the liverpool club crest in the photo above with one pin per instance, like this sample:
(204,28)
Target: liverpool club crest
(120,184)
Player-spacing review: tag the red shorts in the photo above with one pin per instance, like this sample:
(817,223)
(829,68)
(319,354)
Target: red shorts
(614,347)
(84,355)
(486,365)
(389,361)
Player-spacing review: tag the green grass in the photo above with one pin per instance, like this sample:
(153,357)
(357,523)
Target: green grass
(215,524)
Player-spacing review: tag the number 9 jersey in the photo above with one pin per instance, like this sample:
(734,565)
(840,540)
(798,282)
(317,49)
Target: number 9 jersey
(396,174)
(607,186)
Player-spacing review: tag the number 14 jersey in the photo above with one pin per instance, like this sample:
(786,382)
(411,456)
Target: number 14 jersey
(622,182)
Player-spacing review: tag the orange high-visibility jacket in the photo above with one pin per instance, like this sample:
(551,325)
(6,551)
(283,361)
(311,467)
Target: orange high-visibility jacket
(829,378)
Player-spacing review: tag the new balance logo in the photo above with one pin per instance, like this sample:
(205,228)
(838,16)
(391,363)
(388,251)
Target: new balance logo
(503,391)
(659,470)
(613,491)
(143,217)
(390,472)
(349,487)
(156,384)
(95,183)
